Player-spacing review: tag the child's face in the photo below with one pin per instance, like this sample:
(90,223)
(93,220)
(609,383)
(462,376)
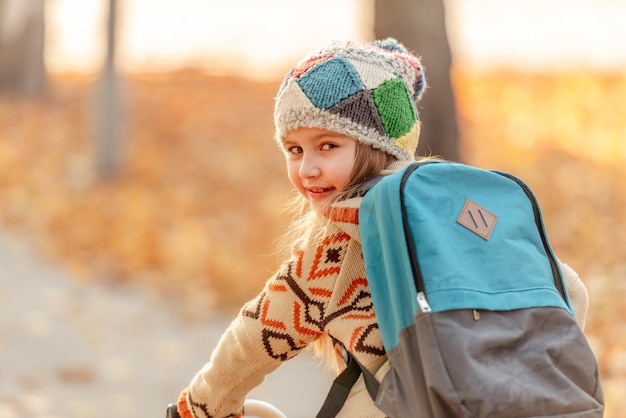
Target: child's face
(319,162)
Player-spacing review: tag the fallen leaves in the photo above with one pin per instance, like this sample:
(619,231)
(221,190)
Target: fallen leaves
(199,201)
(196,200)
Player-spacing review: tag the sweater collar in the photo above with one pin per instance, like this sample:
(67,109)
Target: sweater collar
(345,214)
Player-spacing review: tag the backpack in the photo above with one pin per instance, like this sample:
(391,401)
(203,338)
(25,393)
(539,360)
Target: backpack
(470,301)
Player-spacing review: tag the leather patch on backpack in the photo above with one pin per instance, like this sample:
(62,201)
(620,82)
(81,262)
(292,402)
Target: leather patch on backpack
(477,219)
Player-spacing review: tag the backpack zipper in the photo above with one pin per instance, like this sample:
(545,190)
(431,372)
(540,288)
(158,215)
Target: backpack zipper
(417,271)
(422,301)
(533,200)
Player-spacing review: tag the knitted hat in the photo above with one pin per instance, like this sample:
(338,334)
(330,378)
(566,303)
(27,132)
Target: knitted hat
(366,91)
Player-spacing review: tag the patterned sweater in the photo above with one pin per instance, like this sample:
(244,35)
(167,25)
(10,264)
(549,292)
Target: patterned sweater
(321,289)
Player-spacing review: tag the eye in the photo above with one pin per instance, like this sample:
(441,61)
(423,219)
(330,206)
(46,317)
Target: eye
(294,150)
(328,146)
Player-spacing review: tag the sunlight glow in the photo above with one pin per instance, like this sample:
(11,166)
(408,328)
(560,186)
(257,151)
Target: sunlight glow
(258,39)
(248,34)
(75,35)
(539,34)
(241,36)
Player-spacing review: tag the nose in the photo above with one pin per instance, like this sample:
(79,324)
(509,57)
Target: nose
(310,167)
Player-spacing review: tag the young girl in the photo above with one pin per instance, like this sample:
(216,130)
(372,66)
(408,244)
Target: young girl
(343,115)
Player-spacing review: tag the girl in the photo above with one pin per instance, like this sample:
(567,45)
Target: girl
(343,115)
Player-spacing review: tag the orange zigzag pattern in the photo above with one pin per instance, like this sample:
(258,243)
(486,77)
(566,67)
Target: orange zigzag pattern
(355,283)
(346,215)
(317,291)
(299,254)
(354,337)
(277,288)
(297,325)
(269,322)
(360,316)
(315,274)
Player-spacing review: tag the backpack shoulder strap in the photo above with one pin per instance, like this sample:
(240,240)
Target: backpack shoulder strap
(343,383)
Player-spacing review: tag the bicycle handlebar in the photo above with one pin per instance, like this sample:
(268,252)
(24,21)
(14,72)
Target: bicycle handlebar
(251,407)
(262,409)
(172,411)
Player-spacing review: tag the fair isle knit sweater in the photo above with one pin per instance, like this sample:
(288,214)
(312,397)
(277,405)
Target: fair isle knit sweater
(321,289)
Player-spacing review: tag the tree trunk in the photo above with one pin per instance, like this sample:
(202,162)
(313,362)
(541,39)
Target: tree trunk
(420,26)
(22,67)
(108,146)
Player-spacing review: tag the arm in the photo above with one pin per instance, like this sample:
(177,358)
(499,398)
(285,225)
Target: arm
(577,293)
(261,337)
(237,365)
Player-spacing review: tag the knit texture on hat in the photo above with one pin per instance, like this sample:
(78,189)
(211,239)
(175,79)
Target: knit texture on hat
(367,91)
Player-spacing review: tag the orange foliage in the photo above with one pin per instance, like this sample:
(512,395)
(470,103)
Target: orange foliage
(199,201)
(564,135)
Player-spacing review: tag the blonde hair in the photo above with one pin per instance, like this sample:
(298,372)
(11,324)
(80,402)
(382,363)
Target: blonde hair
(308,225)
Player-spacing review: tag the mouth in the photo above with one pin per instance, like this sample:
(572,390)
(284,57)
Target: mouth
(317,193)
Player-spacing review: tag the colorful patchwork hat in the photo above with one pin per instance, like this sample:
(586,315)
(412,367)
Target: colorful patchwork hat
(367,91)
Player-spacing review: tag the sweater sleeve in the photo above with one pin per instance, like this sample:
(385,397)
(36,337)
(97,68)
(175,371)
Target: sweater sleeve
(262,336)
(237,365)
(577,293)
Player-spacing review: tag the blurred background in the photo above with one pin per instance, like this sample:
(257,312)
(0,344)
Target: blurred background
(136,158)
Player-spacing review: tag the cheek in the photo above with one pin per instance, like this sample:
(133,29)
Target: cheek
(293,172)
(347,175)
(351,166)
(348,161)
(342,176)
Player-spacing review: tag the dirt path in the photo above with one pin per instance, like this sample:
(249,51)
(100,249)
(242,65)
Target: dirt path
(87,351)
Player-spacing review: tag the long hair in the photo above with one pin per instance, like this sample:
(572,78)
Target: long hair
(308,226)
(307,223)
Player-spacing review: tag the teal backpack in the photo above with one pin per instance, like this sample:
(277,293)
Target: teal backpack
(470,301)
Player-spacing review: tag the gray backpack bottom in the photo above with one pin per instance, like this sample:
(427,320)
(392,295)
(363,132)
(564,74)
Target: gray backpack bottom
(484,364)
